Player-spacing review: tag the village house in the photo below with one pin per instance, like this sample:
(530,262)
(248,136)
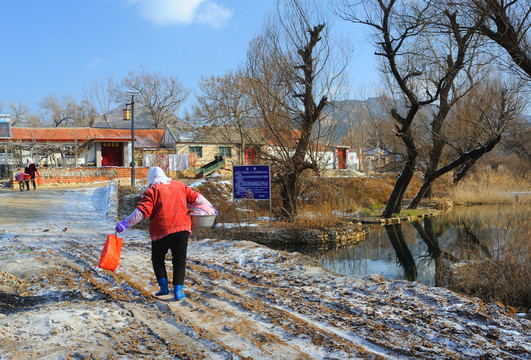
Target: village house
(74,147)
(59,146)
(173,149)
(206,144)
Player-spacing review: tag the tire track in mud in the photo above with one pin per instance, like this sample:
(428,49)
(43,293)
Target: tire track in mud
(229,303)
(159,327)
(68,277)
(224,313)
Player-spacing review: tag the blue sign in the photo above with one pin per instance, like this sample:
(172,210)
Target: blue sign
(251,182)
(5,126)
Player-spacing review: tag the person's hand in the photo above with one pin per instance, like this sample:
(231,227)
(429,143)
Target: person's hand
(121,226)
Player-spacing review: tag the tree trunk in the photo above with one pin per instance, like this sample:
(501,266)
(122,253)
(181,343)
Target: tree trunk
(289,193)
(394,204)
(467,160)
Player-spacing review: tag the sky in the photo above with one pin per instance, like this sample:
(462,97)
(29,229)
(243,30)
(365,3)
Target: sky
(58,47)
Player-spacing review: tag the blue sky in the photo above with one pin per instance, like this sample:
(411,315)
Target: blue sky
(59,46)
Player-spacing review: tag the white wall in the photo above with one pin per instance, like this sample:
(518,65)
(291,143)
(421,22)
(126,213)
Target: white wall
(352,160)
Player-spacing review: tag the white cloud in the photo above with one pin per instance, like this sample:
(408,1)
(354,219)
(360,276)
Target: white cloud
(214,14)
(94,62)
(169,12)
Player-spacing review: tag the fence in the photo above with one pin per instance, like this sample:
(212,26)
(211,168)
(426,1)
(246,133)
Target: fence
(51,177)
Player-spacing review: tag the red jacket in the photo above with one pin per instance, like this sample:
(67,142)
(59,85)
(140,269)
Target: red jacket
(165,205)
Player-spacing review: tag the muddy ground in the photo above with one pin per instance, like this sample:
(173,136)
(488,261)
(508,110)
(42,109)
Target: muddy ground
(243,300)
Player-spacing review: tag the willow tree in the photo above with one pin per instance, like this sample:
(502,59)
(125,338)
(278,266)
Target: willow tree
(433,57)
(477,124)
(292,73)
(507,23)
(396,26)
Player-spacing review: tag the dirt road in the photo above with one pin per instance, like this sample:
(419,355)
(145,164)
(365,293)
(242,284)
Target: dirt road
(243,300)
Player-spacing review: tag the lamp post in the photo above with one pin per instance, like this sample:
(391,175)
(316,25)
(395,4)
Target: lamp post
(131,115)
(75,137)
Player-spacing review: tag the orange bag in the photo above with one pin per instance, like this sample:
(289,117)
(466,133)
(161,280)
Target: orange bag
(110,257)
(38,180)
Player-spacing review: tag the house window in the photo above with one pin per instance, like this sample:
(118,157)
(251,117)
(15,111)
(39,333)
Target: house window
(225,151)
(198,150)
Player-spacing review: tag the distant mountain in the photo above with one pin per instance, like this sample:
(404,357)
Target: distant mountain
(350,115)
(142,120)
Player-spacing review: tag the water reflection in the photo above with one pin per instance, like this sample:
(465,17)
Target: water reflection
(403,255)
(425,250)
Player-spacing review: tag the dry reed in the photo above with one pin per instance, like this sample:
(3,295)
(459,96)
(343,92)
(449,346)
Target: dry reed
(504,275)
(487,186)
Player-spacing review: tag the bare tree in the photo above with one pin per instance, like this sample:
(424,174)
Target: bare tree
(33,121)
(225,102)
(59,113)
(477,126)
(19,112)
(434,58)
(161,96)
(98,100)
(452,39)
(292,70)
(86,114)
(397,26)
(507,23)
(518,139)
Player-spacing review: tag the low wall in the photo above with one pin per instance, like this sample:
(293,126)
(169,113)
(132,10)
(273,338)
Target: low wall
(303,240)
(51,177)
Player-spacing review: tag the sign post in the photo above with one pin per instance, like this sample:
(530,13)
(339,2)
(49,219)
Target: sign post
(252,182)
(5,126)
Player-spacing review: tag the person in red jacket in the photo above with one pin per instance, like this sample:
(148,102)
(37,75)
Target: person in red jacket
(31,170)
(165,203)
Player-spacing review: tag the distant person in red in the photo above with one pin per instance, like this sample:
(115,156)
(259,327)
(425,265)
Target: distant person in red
(31,170)
(165,203)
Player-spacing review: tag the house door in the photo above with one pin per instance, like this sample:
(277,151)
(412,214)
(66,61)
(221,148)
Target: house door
(250,157)
(341,158)
(112,154)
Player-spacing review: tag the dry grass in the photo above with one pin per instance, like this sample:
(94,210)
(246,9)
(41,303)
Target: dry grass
(487,186)
(320,202)
(323,198)
(504,275)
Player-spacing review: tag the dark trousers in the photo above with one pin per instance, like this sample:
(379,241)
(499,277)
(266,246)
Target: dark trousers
(178,244)
(33,181)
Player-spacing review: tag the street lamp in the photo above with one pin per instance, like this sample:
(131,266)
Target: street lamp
(130,115)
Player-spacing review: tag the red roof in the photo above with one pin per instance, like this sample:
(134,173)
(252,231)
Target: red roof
(149,136)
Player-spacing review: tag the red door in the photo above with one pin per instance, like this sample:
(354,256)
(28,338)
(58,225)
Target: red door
(341,158)
(112,154)
(250,157)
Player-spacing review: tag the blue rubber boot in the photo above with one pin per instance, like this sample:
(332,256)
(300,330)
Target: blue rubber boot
(178,291)
(163,283)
